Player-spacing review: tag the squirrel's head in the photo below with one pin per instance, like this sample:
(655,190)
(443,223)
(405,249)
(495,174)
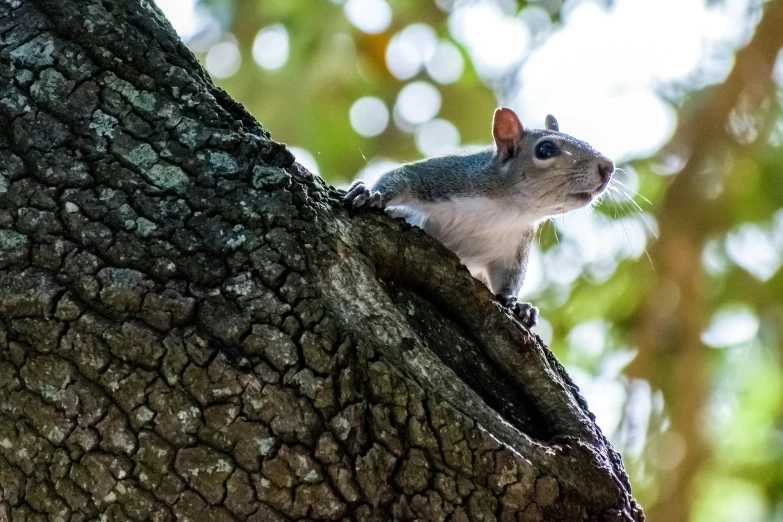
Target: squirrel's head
(554,169)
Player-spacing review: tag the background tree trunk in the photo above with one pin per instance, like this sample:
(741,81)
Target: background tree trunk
(192,328)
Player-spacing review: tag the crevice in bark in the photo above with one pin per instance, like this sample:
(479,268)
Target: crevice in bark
(458,351)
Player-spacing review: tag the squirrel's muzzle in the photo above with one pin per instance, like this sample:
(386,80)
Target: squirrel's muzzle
(605,169)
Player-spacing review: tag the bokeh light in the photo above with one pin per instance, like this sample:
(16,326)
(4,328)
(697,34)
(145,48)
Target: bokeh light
(223,59)
(446,64)
(589,337)
(756,250)
(733,325)
(207,31)
(496,41)
(369,116)
(418,102)
(437,138)
(270,47)
(370,16)
(410,49)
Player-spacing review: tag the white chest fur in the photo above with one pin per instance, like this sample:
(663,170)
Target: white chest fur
(479,230)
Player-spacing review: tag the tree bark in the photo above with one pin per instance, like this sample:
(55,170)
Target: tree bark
(193,328)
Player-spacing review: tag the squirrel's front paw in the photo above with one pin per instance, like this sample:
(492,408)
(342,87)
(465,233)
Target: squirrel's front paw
(525,312)
(359,195)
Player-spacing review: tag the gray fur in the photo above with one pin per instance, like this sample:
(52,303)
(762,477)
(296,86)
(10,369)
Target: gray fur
(506,278)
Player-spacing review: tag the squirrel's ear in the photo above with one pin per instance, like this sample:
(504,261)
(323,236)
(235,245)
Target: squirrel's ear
(551,123)
(507,131)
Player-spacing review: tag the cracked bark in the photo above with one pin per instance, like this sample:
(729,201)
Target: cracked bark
(191,328)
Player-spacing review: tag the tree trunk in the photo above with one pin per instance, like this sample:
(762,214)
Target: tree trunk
(192,328)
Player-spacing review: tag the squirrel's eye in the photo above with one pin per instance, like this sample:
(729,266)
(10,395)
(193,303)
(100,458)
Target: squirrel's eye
(546,149)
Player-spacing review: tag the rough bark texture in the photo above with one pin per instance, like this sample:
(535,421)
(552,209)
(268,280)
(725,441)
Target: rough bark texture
(193,329)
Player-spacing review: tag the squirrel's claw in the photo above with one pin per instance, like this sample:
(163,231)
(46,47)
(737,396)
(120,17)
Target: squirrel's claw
(356,188)
(376,201)
(359,195)
(528,314)
(525,312)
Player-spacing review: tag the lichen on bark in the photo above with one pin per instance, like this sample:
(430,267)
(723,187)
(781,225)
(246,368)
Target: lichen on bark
(193,328)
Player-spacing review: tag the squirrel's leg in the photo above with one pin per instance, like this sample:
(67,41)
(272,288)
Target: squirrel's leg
(505,280)
(388,187)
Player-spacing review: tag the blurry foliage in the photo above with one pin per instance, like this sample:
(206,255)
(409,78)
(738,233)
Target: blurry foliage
(737,473)
(331,65)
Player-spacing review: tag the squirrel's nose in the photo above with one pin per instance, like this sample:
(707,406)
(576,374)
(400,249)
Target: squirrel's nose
(605,169)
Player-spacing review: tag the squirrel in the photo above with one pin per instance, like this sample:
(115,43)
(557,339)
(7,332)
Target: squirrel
(486,205)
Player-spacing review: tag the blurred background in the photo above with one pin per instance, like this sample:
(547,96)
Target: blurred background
(665,301)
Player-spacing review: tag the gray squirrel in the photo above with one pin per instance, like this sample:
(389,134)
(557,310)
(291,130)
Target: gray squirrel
(486,205)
